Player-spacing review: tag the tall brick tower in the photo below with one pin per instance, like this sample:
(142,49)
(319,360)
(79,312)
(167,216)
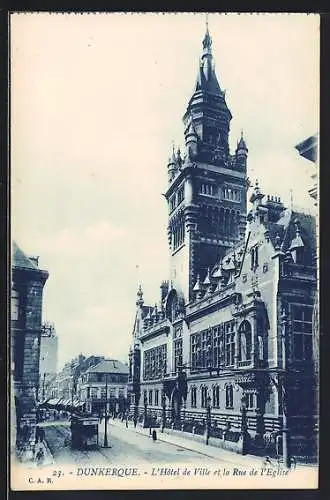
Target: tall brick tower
(206,191)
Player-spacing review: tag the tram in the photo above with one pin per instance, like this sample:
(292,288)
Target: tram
(84,432)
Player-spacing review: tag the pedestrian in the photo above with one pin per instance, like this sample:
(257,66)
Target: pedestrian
(154,435)
(42,434)
(40,456)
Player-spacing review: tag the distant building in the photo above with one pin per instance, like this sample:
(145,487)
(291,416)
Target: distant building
(308,149)
(48,357)
(63,389)
(28,281)
(237,309)
(109,373)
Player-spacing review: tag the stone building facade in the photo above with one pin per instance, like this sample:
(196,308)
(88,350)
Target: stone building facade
(28,281)
(228,349)
(104,384)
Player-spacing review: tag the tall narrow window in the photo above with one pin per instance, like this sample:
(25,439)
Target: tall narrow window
(14,305)
(245,341)
(229,396)
(150,397)
(180,195)
(216,396)
(177,354)
(203,397)
(302,317)
(193,397)
(156,397)
(229,343)
(172,203)
(250,400)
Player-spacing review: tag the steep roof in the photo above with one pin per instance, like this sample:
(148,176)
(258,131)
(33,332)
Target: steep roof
(146,310)
(109,366)
(20,260)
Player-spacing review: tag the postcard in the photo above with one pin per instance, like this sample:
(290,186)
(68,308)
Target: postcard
(164,214)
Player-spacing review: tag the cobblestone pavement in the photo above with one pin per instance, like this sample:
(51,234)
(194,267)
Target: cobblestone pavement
(125,447)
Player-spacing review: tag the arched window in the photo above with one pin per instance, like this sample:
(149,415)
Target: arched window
(194,397)
(229,396)
(216,396)
(245,341)
(203,397)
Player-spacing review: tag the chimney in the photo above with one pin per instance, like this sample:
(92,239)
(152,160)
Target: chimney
(164,290)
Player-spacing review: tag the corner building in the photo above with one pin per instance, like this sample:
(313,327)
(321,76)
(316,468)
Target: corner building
(228,349)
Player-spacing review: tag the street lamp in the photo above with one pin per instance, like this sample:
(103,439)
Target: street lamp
(145,403)
(208,418)
(106,413)
(163,411)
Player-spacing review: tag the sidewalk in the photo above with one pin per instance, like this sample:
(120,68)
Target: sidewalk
(29,459)
(206,450)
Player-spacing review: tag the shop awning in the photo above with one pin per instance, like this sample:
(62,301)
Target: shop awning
(77,403)
(45,402)
(52,402)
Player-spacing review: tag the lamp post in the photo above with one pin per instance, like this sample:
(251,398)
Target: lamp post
(244,424)
(163,411)
(43,386)
(145,403)
(208,418)
(285,430)
(106,413)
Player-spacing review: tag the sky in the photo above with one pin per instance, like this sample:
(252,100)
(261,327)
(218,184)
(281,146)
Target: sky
(96,103)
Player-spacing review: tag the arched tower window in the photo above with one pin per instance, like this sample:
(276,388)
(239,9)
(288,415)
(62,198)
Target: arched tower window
(245,341)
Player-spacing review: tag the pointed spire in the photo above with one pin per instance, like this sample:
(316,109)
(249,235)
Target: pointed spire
(297,242)
(197,286)
(206,78)
(207,41)
(178,157)
(241,144)
(148,319)
(218,273)
(139,294)
(154,314)
(172,163)
(207,280)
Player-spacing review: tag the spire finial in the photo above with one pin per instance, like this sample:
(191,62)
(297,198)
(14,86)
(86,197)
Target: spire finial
(207,42)
(291,199)
(139,295)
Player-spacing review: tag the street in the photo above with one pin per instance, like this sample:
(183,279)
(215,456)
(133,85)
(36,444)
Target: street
(125,447)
